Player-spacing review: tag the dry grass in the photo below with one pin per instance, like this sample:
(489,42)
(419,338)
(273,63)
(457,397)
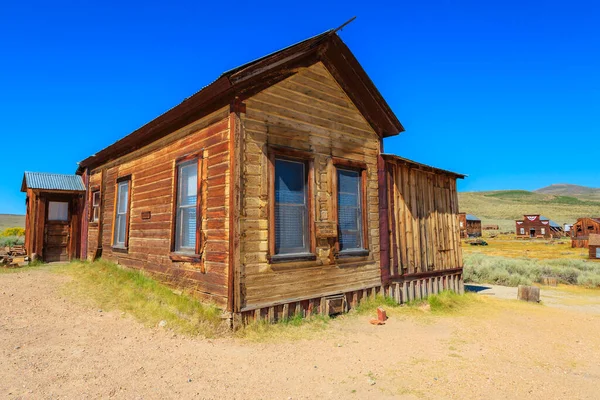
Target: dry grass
(508,246)
(109,287)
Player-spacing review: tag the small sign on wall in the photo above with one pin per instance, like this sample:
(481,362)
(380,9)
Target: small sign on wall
(146,215)
(326,229)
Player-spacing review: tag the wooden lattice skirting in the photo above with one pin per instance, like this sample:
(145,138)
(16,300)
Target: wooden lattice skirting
(401,289)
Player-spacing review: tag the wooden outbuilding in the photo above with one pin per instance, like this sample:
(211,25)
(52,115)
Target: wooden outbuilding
(537,226)
(582,229)
(268,193)
(53,215)
(470,225)
(594,246)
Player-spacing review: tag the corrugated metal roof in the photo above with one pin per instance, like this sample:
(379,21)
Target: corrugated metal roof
(46,181)
(471,217)
(552,223)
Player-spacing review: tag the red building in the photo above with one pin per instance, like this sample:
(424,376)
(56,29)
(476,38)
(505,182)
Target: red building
(537,226)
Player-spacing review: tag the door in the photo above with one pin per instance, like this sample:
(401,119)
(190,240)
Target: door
(532,232)
(56,235)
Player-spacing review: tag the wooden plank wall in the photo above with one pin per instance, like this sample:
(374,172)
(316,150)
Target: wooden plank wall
(425,234)
(307,112)
(152,171)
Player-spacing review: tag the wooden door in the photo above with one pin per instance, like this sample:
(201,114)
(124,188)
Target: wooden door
(56,235)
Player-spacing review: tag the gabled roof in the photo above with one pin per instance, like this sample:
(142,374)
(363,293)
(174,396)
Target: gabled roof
(248,79)
(418,165)
(45,181)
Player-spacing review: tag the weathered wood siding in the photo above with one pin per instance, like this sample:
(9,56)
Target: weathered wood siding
(152,171)
(425,234)
(308,112)
(581,231)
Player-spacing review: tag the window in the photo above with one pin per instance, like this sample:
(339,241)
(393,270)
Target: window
(349,210)
(543,231)
(95,215)
(58,211)
(522,231)
(291,207)
(597,252)
(186,214)
(461,224)
(121,223)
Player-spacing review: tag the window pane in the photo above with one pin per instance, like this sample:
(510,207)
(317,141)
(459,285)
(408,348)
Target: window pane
(349,210)
(289,182)
(291,213)
(188,183)
(96,198)
(289,229)
(123,197)
(121,214)
(121,229)
(187,198)
(187,233)
(58,211)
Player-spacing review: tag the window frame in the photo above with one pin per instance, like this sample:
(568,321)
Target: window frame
(179,255)
(521,231)
(361,167)
(94,207)
(297,156)
(542,231)
(114,245)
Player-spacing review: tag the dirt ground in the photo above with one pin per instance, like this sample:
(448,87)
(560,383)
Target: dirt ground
(52,346)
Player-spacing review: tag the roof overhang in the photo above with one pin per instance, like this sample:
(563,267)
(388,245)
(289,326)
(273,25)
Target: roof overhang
(422,167)
(249,79)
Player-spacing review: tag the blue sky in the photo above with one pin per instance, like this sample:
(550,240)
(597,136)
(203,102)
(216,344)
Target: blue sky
(507,92)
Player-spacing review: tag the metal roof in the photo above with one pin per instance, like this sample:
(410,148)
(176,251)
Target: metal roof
(552,223)
(46,181)
(471,217)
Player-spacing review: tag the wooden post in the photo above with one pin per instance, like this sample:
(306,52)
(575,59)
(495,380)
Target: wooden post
(528,293)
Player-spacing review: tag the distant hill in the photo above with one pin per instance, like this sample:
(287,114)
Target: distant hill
(503,207)
(565,189)
(11,221)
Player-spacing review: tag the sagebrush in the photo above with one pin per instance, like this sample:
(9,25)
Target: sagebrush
(480,268)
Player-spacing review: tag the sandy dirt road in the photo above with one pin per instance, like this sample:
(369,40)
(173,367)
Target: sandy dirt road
(52,346)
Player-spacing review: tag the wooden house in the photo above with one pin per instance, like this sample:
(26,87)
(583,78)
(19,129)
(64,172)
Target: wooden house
(53,215)
(582,229)
(470,225)
(268,193)
(537,226)
(594,246)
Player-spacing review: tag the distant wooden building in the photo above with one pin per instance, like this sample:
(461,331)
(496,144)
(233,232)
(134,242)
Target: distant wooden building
(594,246)
(582,229)
(268,193)
(470,225)
(537,226)
(54,204)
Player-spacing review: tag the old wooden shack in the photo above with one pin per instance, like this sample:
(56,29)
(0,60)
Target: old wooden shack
(268,194)
(53,215)
(582,229)
(594,246)
(470,225)
(537,226)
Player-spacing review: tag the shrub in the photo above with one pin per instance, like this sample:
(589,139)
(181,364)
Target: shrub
(513,272)
(16,231)
(8,241)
